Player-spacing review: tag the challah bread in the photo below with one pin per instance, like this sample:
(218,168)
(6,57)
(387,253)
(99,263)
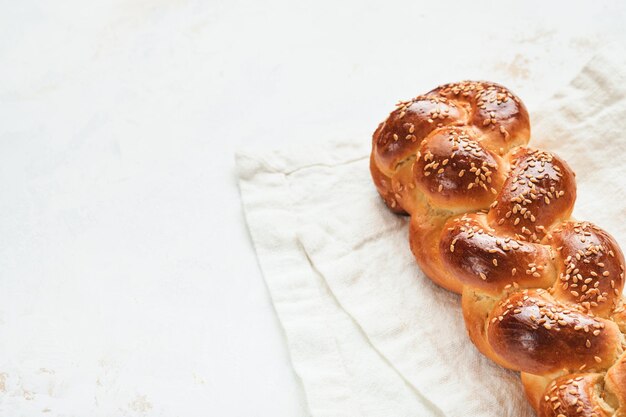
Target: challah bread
(491,220)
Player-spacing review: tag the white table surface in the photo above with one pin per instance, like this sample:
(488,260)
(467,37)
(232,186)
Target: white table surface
(128,284)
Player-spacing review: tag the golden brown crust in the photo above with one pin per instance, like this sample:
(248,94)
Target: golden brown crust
(496,111)
(535,387)
(406,127)
(454,171)
(540,191)
(424,232)
(480,258)
(384,187)
(498,117)
(575,395)
(536,334)
(591,267)
(490,219)
(615,386)
(619,316)
(477,305)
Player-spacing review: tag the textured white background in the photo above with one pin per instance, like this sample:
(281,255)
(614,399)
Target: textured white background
(128,286)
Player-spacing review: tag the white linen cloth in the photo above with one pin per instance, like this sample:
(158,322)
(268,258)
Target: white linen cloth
(368,333)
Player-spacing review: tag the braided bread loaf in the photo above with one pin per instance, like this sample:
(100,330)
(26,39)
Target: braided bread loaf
(491,220)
